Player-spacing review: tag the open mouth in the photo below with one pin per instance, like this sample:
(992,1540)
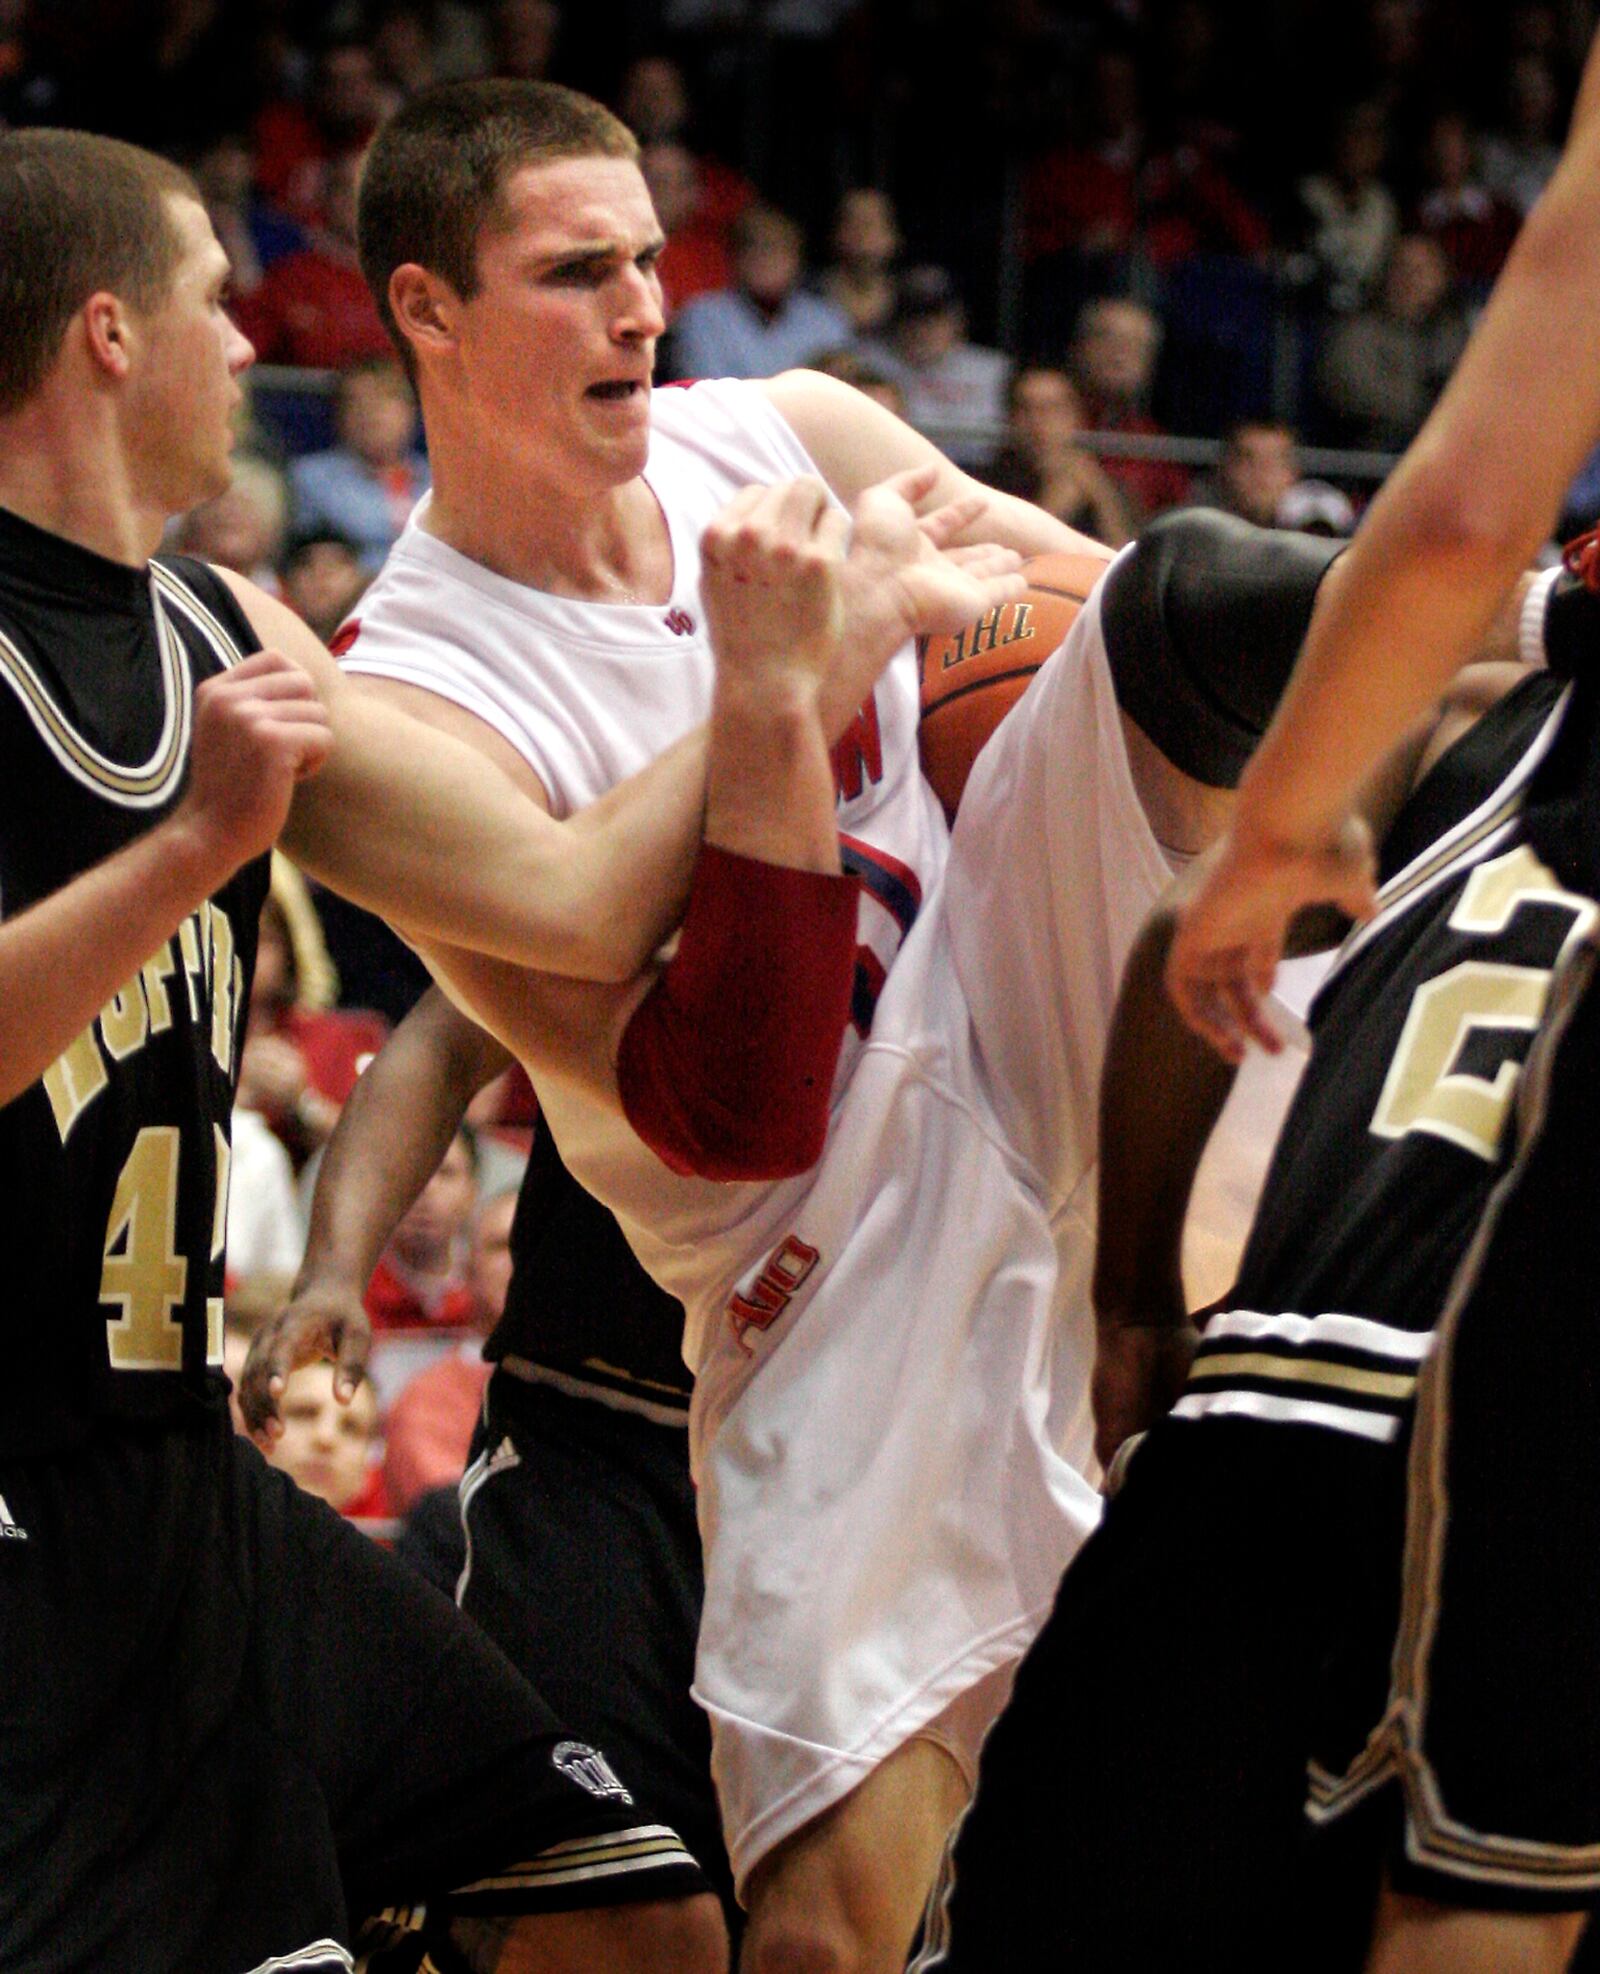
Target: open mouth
(618,391)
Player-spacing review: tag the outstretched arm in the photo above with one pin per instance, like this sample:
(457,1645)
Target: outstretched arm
(1448,535)
(406,1107)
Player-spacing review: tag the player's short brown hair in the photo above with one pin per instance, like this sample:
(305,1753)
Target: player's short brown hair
(437,168)
(78,214)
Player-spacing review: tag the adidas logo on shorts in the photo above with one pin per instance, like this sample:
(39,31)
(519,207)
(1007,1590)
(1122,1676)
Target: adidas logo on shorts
(586,1766)
(9,1532)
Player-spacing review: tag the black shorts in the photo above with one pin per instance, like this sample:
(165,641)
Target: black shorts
(231,1728)
(1141,1802)
(1477,1702)
(585,1569)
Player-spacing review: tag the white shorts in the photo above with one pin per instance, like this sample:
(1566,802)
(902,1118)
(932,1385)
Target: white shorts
(888,1502)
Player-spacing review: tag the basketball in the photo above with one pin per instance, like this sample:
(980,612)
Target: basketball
(972,680)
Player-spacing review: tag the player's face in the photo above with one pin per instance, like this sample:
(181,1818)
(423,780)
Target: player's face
(184,390)
(558,343)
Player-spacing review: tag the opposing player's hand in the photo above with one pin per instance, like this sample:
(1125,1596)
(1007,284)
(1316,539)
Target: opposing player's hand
(1231,932)
(259,728)
(319,1324)
(1139,1371)
(902,576)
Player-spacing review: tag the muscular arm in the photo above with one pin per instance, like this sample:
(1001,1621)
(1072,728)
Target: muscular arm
(405,1109)
(410,823)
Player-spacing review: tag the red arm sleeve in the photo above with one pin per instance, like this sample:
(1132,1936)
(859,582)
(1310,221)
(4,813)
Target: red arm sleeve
(726,1067)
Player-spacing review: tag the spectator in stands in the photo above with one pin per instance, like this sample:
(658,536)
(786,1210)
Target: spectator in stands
(1517,161)
(955,391)
(366,485)
(1258,466)
(1114,351)
(765,322)
(429,1426)
(253,234)
(313,307)
(522,39)
(301,1056)
(344,105)
(1350,216)
(1081,197)
(1383,369)
(401,36)
(1042,461)
(851,367)
(266,1229)
(866,245)
(653,101)
(243,528)
(327,1447)
(1473,224)
(695,260)
(323,578)
(421,1282)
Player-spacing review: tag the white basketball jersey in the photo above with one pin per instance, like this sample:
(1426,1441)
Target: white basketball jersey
(590,693)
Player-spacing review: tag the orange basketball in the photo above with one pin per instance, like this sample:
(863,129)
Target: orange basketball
(972,680)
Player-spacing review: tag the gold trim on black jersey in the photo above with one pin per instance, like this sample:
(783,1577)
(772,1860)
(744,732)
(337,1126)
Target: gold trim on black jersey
(200,614)
(142,787)
(154,781)
(1397,1747)
(1471,839)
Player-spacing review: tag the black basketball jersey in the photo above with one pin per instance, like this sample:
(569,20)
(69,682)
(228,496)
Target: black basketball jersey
(116,1161)
(1403,1120)
(581,1313)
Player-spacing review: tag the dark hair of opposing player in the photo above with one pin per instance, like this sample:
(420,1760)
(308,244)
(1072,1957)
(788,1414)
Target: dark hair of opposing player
(78,214)
(436,170)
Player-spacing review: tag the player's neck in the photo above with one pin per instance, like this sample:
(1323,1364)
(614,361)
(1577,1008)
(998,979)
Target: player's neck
(610,547)
(70,482)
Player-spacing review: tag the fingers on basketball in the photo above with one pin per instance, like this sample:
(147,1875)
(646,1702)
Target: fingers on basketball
(970,681)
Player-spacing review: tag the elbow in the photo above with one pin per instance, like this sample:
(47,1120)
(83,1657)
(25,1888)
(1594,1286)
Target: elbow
(1461,522)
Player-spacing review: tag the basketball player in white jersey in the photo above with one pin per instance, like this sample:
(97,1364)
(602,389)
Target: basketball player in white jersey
(884,1389)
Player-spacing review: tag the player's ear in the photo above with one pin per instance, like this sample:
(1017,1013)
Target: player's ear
(106,333)
(424,306)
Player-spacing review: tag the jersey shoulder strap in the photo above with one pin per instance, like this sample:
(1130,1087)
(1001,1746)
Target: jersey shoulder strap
(197,596)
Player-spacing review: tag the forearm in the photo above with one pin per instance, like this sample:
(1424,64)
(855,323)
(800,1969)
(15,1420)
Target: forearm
(1162,1091)
(757,780)
(391,1137)
(1416,1936)
(1457,522)
(64,958)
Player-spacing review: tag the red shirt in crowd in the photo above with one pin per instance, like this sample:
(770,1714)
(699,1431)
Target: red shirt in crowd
(314,311)
(396,1304)
(429,1427)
